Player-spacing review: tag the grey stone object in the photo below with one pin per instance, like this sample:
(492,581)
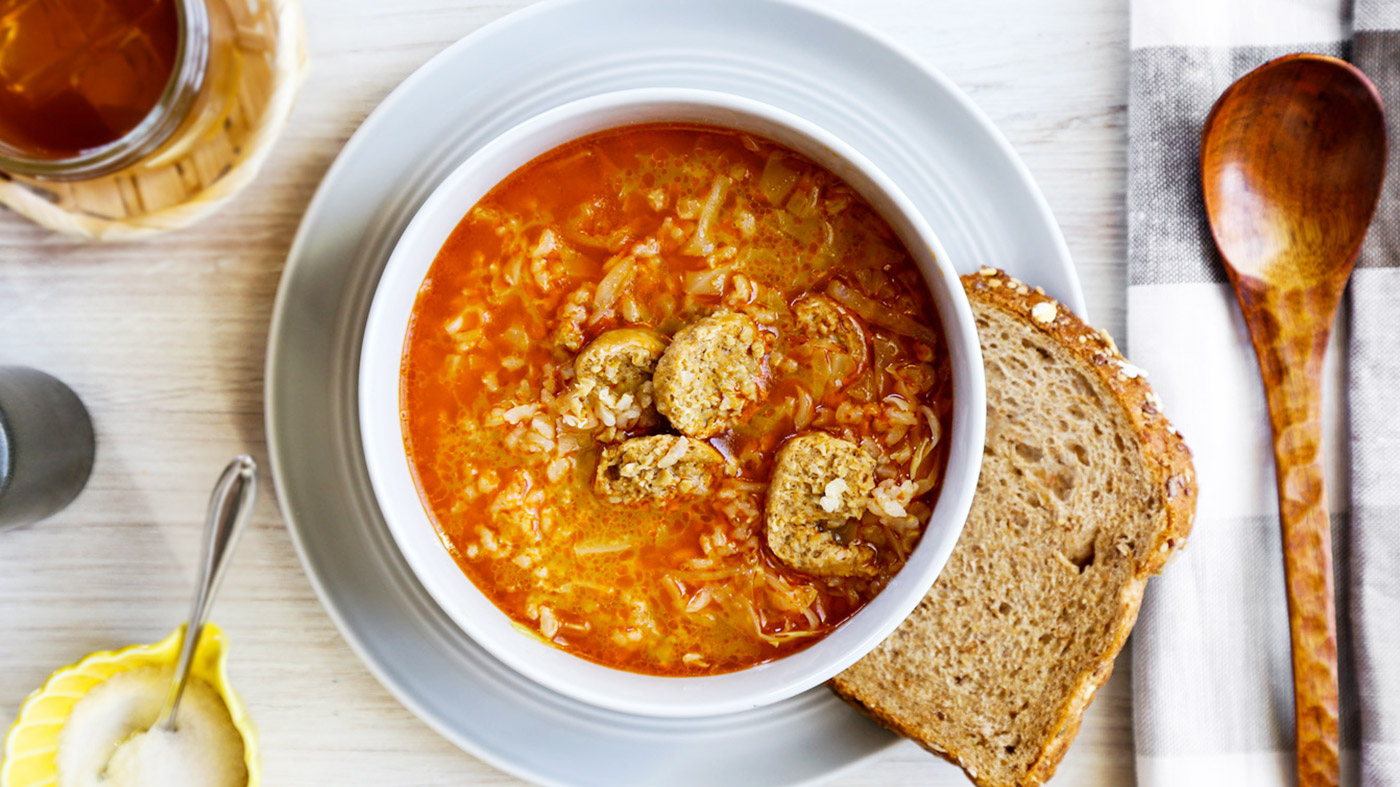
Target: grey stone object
(46,446)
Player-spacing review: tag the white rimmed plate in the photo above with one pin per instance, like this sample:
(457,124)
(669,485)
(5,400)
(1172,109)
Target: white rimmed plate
(911,122)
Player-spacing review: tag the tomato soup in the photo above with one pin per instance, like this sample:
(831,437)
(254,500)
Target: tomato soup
(673,396)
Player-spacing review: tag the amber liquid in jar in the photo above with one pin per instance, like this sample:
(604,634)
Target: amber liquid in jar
(76,75)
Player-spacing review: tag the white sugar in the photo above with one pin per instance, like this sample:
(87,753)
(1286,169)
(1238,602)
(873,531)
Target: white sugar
(107,740)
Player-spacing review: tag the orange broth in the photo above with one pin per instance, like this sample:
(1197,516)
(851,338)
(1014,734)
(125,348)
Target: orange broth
(659,225)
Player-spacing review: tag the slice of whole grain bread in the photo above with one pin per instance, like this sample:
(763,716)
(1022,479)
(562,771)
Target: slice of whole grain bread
(1086,490)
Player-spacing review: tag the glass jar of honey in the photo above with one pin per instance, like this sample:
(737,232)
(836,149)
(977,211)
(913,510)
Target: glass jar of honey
(94,87)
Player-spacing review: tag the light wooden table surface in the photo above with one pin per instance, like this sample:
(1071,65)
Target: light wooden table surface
(164,340)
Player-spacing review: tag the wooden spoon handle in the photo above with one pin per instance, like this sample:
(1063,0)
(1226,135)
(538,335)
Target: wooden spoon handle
(1289,329)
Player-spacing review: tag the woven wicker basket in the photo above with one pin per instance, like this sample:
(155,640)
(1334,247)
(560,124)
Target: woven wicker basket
(272,43)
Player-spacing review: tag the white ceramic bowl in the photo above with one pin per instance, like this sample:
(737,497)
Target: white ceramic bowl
(418,539)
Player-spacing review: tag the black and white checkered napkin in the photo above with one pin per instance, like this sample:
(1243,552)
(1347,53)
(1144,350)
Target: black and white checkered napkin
(1212,680)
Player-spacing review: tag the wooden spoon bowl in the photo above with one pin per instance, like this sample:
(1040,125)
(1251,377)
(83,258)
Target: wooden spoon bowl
(1292,160)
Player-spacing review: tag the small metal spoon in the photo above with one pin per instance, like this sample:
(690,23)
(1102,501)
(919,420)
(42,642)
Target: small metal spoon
(1292,160)
(230,507)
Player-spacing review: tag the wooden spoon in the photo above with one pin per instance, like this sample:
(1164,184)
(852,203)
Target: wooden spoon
(1292,158)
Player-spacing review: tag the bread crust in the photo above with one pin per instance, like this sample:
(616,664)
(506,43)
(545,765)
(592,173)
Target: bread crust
(1164,453)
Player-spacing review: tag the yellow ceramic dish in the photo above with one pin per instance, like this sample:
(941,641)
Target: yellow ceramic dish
(32,743)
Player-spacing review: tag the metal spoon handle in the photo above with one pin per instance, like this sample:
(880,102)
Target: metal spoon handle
(230,508)
(1289,329)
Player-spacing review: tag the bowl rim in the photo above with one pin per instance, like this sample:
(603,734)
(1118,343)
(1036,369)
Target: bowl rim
(409,521)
